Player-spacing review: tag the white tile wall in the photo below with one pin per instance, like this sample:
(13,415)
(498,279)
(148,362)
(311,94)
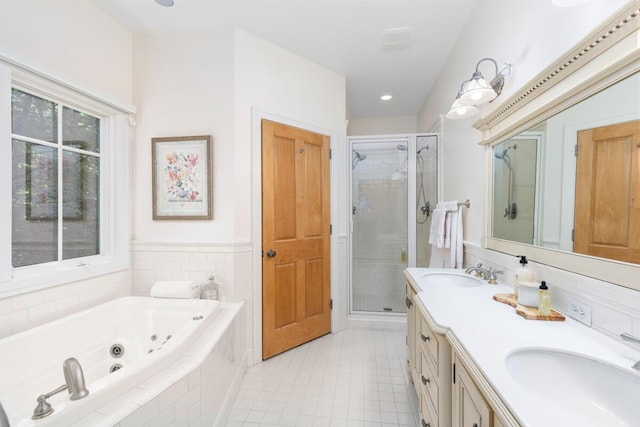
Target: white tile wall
(614,309)
(25,311)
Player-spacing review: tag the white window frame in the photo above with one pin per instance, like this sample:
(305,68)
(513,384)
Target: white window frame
(115,141)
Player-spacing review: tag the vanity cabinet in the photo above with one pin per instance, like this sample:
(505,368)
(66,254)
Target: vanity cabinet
(470,409)
(429,364)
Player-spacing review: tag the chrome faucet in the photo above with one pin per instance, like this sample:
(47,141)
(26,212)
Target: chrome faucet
(4,420)
(631,338)
(74,379)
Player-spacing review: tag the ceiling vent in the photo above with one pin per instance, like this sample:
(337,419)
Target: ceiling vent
(396,39)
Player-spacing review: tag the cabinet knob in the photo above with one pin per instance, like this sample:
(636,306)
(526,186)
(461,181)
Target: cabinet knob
(408,302)
(475,424)
(424,338)
(426,380)
(426,424)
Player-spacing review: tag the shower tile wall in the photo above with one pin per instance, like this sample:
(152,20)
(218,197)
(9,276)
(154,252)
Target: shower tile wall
(380,231)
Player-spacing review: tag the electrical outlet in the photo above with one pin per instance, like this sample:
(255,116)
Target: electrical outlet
(579,311)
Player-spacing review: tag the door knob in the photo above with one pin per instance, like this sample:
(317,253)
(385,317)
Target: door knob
(271,253)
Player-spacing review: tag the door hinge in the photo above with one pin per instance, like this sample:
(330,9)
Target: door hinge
(331,304)
(575,151)
(573,235)
(330,154)
(330,228)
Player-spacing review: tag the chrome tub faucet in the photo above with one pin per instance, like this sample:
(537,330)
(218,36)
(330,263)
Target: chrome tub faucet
(74,377)
(74,384)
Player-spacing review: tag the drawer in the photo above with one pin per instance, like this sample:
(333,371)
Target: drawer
(429,384)
(429,343)
(428,417)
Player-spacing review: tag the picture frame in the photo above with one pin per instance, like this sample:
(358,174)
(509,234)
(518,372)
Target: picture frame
(182,178)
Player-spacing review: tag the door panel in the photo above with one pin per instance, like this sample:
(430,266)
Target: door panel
(607,218)
(296,237)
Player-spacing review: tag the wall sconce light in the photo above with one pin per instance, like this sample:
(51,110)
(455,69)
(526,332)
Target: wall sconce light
(459,110)
(477,91)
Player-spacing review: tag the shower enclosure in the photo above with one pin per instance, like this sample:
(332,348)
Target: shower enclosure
(393,192)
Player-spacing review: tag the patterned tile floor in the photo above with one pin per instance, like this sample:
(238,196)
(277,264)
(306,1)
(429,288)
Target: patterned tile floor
(352,378)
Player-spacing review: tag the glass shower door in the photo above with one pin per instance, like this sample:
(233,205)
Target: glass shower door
(379,195)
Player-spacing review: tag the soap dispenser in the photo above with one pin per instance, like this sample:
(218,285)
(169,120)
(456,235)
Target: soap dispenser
(545,299)
(523,274)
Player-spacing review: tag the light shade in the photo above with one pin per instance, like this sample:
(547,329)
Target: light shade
(477,91)
(460,111)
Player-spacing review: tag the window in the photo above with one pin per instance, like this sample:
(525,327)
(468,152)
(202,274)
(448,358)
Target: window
(66,154)
(55,181)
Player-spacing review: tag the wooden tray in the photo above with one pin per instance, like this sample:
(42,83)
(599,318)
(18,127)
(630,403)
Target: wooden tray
(530,313)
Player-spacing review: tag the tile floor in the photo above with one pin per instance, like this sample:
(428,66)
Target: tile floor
(352,378)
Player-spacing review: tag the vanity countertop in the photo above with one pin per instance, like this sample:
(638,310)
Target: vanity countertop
(490,331)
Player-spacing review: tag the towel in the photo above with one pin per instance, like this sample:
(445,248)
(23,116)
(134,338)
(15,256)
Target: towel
(175,289)
(447,248)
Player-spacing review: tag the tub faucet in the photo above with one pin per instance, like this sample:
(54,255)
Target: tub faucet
(74,377)
(4,420)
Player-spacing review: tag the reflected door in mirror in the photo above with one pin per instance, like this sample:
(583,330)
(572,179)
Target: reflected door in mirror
(607,214)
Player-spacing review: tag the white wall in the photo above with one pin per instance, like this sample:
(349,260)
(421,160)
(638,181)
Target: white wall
(78,42)
(529,35)
(184,87)
(74,38)
(382,125)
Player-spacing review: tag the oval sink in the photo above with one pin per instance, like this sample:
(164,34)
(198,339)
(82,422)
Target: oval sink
(451,279)
(593,392)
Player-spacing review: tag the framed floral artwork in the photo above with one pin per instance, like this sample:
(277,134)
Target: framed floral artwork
(182,184)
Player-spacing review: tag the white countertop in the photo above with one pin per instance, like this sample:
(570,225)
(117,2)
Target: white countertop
(489,331)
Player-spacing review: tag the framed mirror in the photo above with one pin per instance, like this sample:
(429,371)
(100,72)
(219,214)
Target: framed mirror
(564,157)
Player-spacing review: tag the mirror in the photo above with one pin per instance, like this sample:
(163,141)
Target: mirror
(544,205)
(587,155)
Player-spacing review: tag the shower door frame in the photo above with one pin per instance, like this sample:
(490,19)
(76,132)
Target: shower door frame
(411,142)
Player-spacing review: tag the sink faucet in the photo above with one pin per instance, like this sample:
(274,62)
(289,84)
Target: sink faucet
(4,420)
(479,271)
(74,377)
(631,338)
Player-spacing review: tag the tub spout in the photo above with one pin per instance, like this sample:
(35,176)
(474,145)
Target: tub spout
(74,377)
(4,420)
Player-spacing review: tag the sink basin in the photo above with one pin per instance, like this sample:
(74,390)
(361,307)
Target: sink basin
(452,279)
(590,391)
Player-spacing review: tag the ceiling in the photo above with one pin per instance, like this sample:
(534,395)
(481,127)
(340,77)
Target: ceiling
(342,35)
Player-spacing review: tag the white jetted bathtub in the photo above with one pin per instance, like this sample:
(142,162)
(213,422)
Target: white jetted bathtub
(134,346)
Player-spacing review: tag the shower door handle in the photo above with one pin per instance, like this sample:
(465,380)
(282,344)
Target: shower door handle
(271,253)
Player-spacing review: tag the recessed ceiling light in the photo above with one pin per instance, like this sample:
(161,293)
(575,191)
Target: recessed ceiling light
(165,3)
(386,97)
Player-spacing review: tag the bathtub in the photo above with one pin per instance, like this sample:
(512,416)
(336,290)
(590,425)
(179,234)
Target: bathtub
(120,345)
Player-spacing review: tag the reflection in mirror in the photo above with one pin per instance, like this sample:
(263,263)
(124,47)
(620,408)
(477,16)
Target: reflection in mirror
(572,182)
(514,187)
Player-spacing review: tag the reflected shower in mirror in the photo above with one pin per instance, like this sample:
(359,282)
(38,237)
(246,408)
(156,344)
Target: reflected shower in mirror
(572,182)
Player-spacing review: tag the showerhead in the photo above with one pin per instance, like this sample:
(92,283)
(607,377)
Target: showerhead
(359,156)
(502,154)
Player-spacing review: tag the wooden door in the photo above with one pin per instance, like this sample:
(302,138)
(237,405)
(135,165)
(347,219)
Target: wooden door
(296,287)
(607,211)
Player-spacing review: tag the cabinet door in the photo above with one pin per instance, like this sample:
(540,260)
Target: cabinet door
(469,406)
(413,324)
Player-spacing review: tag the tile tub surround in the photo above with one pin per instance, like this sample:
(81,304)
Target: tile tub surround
(196,390)
(489,332)
(25,311)
(614,309)
(351,378)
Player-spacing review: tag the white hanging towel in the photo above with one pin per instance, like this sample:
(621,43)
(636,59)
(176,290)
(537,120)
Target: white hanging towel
(449,253)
